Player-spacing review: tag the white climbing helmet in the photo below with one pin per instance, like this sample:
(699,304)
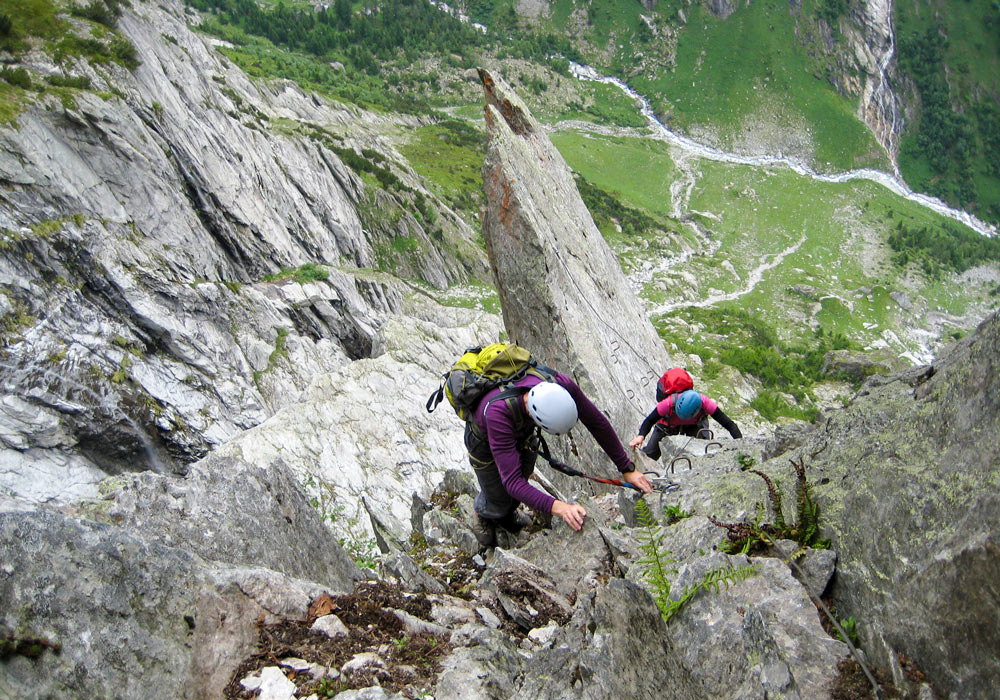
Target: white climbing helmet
(552,407)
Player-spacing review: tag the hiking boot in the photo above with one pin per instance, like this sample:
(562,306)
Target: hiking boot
(485,531)
(514,521)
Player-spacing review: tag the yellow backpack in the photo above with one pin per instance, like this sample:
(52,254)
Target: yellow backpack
(482,369)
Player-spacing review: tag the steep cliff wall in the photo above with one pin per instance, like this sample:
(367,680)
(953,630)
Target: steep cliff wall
(139,221)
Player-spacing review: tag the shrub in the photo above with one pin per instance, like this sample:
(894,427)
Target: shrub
(124,52)
(17,76)
(80,82)
(100,12)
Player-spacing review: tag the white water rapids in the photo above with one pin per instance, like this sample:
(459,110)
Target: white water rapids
(890,182)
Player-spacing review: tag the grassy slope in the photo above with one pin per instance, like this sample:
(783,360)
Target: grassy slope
(738,70)
(452,170)
(732,76)
(840,278)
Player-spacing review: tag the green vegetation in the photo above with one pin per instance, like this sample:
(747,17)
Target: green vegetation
(609,212)
(850,631)
(607,104)
(397,251)
(30,647)
(735,74)
(474,295)
(745,342)
(11,103)
(674,513)
(26,19)
(831,10)
(837,269)
(104,12)
(279,351)
(391,31)
(951,53)
(449,155)
(323,497)
(12,323)
(658,564)
(81,82)
(635,171)
(948,247)
(125,344)
(117,49)
(745,537)
(122,375)
(308,272)
(22,19)
(369,44)
(18,77)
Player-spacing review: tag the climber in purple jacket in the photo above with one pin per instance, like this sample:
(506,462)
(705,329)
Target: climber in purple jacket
(502,441)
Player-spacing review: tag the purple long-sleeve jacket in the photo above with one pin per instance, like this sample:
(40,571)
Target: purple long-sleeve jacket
(499,426)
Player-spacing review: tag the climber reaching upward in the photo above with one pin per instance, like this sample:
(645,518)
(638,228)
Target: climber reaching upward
(684,413)
(501,440)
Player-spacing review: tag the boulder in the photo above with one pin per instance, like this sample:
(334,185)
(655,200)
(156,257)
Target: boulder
(128,614)
(229,511)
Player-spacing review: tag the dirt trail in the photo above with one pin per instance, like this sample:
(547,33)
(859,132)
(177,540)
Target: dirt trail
(756,275)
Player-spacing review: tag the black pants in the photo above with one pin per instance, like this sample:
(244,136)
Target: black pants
(493,501)
(660,431)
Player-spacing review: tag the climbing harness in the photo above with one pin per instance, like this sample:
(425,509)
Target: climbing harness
(570,471)
(660,484)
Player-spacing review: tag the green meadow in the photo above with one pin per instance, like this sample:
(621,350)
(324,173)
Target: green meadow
(733,74)
(833,276)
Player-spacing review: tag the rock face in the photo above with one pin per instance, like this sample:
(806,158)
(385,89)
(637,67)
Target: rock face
(563,294)
(873,44)
(227,510)
(913,512)
(139,336)
(361,440)
(138,221)
(168,591)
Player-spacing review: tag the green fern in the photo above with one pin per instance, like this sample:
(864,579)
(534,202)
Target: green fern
(659,564)
(774,496)
(656,560)
(674,513)
(747,537)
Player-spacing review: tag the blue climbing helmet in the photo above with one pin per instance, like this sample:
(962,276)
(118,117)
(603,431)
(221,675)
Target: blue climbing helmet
(687,405)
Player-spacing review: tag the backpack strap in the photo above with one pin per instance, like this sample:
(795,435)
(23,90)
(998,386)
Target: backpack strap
(435,398)
(511,397)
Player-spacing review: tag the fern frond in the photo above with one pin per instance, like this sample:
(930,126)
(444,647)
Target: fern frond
(711,581)
(774,495)
(656,561)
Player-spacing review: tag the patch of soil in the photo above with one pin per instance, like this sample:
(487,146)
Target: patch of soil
(517,587)
(444,500)
(410,663)
(455,569)
(851,683)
